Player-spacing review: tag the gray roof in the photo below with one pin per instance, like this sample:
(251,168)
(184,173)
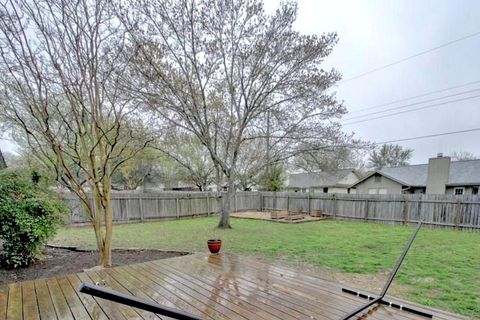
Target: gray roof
(465,172)
(318,179)
(409,175)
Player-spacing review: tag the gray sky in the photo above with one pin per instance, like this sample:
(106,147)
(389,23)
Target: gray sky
(375,33)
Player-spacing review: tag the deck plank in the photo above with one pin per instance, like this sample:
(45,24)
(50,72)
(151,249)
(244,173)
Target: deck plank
(237,289)
(110,307)
(258,283)
(59,303)
(118,286)
(161,284)
(14,304)
(45,304)
(29,300)
(158,293)
(93,309)
(312,288)
(205,296)
(3,302)
(76,306)
(134,288)
(219,287)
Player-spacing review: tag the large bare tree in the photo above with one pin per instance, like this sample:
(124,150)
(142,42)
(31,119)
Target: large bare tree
(61,63)
(216,69)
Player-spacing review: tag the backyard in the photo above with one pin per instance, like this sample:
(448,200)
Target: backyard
(441,270)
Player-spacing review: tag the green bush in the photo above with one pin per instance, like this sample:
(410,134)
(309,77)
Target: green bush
(29,216)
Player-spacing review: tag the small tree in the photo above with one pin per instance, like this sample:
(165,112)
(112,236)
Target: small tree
(389,155)
(29,215)
(273,178)
(193,163)
(145,167)
(61,63)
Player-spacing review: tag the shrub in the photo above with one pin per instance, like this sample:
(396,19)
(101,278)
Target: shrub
(29,216)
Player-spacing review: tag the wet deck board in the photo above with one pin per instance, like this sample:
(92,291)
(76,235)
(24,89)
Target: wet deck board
(210,286)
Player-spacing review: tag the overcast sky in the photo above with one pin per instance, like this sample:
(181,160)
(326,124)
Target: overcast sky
(376,33)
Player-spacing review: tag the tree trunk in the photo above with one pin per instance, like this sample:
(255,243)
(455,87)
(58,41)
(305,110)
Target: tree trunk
(225,207)
(103,225)
(3,164)
(107,245)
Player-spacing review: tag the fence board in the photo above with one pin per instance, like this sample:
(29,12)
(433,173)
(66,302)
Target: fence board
(448,211)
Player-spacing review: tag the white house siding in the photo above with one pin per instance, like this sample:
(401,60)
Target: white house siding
(466,190)
(385,186)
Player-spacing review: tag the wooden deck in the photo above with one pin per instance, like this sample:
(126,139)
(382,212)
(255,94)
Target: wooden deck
(211,286)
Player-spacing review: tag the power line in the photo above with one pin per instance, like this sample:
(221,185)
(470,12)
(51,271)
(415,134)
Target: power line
(410,57)
(412,104)
(411,110)
(413,97)
(429,136)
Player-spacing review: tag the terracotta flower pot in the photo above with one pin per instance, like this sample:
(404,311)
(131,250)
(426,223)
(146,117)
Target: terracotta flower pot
(214,245)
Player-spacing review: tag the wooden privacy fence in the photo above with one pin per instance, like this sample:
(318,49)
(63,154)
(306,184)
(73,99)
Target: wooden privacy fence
(134,206)
(462,212)
(440,210)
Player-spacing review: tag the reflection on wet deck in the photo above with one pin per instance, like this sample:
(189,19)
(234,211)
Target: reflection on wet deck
(211,286)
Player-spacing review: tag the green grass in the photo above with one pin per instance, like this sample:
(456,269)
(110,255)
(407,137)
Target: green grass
(441,270)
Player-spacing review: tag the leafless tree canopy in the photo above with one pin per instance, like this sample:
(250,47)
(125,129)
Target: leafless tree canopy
(389,155)
(216,68)
(61,63)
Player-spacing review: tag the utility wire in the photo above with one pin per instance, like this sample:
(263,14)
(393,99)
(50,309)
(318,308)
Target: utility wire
(411,110)
(412,104)
(429,136)
(411,57)
(413,97)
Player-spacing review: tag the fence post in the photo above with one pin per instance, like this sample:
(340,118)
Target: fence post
(334,205)
(308,204)
(141,207)
(208,204)
(261,201)
(405,210)
(366,210)
(234,201)
(177,211)
(458,214)
(288,201)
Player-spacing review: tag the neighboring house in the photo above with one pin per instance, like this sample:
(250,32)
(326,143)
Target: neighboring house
(439,176)
(338,181)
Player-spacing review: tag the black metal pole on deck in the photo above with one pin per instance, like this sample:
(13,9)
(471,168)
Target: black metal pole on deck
(390,278)
(108,294)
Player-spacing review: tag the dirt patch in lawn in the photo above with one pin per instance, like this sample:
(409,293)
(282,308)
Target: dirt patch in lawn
(57,261)
(266,216)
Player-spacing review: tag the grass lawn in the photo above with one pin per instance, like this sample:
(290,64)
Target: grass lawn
(442,269)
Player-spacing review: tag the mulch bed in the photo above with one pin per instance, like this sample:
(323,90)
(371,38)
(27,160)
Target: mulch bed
(57,261)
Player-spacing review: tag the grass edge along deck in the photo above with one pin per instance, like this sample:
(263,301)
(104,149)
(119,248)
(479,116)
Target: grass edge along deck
(223,286)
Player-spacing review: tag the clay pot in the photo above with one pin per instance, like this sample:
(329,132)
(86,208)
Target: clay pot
(214,245)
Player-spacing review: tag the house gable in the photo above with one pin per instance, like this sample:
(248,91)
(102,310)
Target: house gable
(376,182)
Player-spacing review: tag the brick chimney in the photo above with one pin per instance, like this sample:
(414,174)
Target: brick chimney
(437,177)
